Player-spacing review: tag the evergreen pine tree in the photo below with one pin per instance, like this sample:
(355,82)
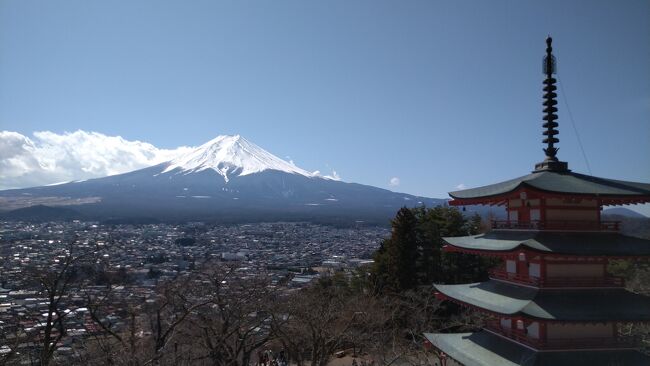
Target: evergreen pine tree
(395,260)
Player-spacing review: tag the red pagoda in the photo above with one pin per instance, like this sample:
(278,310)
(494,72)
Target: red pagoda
(552,301)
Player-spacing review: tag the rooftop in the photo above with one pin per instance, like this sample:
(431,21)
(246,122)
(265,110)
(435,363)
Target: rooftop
(611,304)
(567,243)
(487,349)
(562,183)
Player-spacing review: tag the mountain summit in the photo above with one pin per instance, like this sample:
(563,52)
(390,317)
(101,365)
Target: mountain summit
(231,156)
(227,179)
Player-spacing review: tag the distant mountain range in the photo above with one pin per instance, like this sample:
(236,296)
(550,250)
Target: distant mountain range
(228,179)
(622,211)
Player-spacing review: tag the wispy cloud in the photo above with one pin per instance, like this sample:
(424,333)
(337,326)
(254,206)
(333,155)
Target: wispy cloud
(461,186)
(394,182)
(333,176)
(49,157)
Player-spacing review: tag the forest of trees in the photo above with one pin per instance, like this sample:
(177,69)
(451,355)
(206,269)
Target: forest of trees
(413,256)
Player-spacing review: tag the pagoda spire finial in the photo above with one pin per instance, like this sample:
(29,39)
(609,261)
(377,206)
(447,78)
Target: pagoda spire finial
(550,103)
(549,68)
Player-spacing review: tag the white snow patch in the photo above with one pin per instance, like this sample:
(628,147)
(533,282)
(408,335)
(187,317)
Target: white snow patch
(57,183)
(232,156)
(201,196)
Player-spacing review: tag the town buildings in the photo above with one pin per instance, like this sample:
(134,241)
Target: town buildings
(132,261)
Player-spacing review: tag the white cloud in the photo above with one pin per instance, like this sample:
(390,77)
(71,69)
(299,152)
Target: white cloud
(394,182)
(461,186)
(51,158)
(333,176)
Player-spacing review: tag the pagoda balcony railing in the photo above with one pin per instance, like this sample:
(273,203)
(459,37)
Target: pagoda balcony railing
(568,225)
(625,342)
(607,281)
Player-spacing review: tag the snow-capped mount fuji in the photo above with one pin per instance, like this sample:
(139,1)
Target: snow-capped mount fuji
(231,155)
(228,179)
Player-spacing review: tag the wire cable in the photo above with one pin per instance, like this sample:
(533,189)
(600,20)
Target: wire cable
(575,129)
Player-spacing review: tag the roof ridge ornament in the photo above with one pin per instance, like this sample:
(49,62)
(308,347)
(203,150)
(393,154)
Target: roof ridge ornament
(551,163)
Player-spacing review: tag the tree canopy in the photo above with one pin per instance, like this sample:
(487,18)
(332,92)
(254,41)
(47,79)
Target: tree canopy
(413,255)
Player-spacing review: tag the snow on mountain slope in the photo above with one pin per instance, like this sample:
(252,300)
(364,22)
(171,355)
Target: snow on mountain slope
(232,156)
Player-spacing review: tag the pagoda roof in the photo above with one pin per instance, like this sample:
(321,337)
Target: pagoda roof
(568,243)
(487,349)
(566,182)
(615,304)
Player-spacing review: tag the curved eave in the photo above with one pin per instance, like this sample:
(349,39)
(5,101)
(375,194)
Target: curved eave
(468,350)
(505,242)
(585,305)
(478,244)
(486,349)
(610,192)
(486,301)
(449,248)
(518,249)
(458,196)
(500,198)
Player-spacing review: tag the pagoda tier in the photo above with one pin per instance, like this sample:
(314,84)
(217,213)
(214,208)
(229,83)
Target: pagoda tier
(559,185)
(486,348)
(551,259)
(555,201)
(551,243)
(504,299)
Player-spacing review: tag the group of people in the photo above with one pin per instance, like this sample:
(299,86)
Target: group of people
(270,358)
(363,362)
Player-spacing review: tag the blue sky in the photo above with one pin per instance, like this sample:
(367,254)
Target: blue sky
(434,93)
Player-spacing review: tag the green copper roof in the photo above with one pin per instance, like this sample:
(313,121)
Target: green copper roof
(486,349)
(572,243)
(560,182)
(478,349)
(575,305)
